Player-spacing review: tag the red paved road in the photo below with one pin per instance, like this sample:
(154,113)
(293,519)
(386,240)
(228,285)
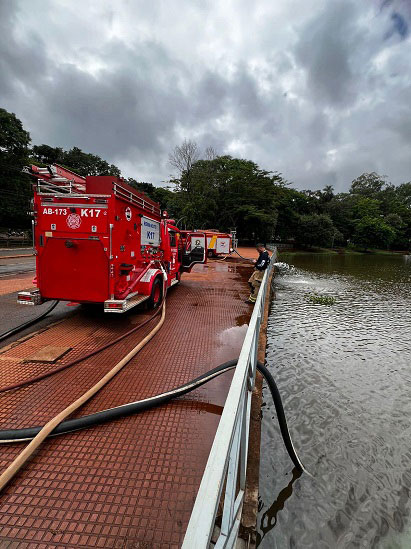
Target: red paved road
(132,481)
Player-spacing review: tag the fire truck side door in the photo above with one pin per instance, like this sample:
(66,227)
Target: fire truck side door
(174,251)
(195,250)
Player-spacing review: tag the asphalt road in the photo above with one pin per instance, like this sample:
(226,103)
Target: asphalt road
(14,314)
(15,251)
(18,265)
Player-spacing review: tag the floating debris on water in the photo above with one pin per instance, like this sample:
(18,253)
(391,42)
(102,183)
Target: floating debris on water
(320,299)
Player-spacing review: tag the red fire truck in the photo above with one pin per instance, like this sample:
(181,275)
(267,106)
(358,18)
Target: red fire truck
(98,240)
(217,243)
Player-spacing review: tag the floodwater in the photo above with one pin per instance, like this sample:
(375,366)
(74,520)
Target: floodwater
(344,372)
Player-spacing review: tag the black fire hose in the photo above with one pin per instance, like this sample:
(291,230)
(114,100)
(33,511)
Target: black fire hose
(246,258)
(26,434)
(13,331)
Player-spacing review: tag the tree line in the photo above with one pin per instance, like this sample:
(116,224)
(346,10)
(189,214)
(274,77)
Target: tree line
(219,191)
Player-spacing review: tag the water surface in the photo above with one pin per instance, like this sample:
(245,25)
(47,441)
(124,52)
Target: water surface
(344,372)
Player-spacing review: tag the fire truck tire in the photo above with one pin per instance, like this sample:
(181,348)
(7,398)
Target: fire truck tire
(156,296)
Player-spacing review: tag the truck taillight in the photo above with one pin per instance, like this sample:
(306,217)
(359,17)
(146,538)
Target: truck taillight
(24,297)
(31,297)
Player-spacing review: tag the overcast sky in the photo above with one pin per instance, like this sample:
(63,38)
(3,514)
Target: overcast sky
(319,90)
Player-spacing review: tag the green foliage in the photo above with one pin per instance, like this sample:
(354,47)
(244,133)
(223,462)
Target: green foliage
(163,195)
(226,192)
(44,154)
(74,159)
(365,207)
(394,220)
(315,230)
(370,197)
(14,140)
(368,184)
(320,299)
(15,188)
(373,232)
(223,192)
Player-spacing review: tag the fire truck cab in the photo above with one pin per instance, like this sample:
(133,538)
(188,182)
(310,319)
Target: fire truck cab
(98,240)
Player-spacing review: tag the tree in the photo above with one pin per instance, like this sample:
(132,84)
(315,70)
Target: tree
(15,190)
(327,193)
(365,207)
(163,195)
(74,159)
(373,232)
(184,156)
(210,153)
(368,184)
(45,154)
(88,164)
(315,230)
(228,192)
(14,139)
(394,220)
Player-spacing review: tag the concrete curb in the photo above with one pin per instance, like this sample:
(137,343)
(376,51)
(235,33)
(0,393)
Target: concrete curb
(16,256)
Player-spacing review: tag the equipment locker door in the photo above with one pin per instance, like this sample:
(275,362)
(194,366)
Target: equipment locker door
(195,250)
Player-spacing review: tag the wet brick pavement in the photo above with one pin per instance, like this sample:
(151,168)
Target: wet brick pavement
(132,482)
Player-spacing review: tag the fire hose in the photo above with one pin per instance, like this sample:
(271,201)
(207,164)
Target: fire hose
(49,427)
(57,425)
(80,358)
(246,258)
(13,331)
(54,427)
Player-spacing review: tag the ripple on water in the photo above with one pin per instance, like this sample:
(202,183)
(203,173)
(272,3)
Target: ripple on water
(344,372)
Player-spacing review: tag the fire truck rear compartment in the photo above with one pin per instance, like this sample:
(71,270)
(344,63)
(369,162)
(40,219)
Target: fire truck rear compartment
(74,269)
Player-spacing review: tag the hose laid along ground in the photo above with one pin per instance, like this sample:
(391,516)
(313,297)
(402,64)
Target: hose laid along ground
(34,379)
(20,435)
(45,431)
(17,329)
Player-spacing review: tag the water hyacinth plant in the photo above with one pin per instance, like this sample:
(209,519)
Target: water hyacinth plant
(320,299)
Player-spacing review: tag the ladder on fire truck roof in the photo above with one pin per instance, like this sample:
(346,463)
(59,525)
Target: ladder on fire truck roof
(57,180)
(60,181)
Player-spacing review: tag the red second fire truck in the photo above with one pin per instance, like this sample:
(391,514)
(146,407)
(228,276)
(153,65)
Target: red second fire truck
(98,240)
(218,243)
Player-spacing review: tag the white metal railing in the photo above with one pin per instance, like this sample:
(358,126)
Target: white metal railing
(227,462)
(56,187)
(125,194)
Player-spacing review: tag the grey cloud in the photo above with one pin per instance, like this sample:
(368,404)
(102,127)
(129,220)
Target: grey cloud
(208,97)
(22,59)
(325,49)
(400,25)
(245,95)
(322,102)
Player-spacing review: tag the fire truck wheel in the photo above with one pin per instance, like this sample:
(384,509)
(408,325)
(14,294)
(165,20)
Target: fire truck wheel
(156,294)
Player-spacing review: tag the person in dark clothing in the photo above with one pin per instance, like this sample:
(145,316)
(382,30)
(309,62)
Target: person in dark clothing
(260,266)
